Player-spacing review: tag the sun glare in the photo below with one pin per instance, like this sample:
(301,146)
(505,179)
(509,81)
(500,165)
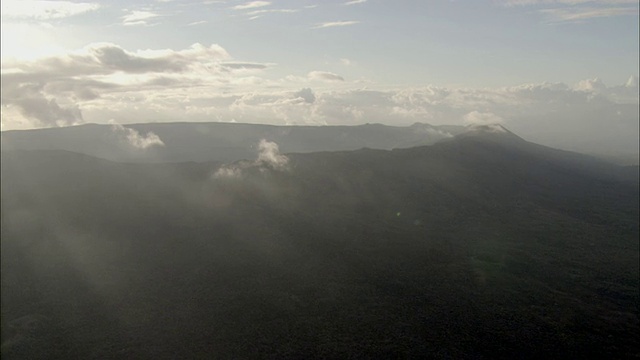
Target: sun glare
(21,41)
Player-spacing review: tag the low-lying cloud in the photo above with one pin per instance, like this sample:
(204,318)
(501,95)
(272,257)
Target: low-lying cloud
(269,157)
(269,154)
(480,118)
(135,139)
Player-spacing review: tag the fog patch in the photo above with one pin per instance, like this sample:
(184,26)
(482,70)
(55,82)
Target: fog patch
(228,172)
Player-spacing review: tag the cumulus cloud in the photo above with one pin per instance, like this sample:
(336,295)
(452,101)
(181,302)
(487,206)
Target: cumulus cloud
(203,83)
(48,91)
(268,157)
(47,111)
(106,58)
(324,76)
(269,153)
(306,94)
(31,103)
(591,85)
(134,138)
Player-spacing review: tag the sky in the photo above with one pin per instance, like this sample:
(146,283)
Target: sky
(560,72)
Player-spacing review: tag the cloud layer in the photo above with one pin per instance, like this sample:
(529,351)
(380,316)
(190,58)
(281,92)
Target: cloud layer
(204,83)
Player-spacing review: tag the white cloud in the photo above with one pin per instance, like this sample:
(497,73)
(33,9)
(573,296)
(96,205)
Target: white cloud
(271,11)
(134,138)
(595,85)
(482,118)
(354,2)
(564,2)
(346,62)
(269,157)
(252,5)
(269,154)
(44,10)
(577,10)
(578,14)
(138,17)
(49,91)
(335,24)
(228,172)
(324,76)
(203,83)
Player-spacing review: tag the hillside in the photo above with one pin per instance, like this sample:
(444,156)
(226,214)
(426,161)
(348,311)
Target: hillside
(482,246)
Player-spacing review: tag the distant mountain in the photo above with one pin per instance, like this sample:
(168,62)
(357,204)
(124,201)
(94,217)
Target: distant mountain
(217,141)
(482,246)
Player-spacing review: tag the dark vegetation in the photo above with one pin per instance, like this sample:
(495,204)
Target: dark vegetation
(480,247)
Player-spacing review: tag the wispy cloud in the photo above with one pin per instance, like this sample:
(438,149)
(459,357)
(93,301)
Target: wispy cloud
(324,76)
(354,2)
(137,17)
(578,14)
(271,11)
(197,23)
(44,10)
(565,2)
(576,11)
(346,62)
(336,24)
(252,5)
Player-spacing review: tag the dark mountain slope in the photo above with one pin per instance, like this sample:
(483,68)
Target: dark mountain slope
(484,246)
